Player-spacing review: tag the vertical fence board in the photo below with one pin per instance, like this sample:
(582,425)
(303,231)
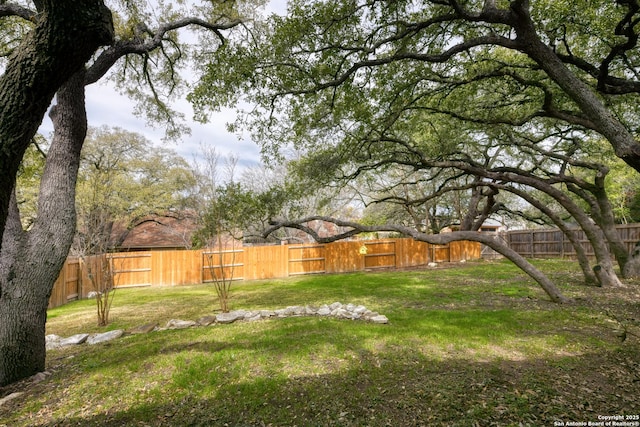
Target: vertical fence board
(380,254)
(306,259)
(440,253)
(175,267)
(343,257)
(456,251)
(89,265)
(411,253)
(265,262)
(464,250)
(67,286)
(71,279)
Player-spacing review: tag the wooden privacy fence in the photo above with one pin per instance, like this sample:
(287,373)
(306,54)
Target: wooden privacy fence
(186,267)
(67,287)
(552,243)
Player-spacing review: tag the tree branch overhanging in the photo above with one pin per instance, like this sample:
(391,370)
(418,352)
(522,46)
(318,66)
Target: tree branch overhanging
(438,239)
(139,45)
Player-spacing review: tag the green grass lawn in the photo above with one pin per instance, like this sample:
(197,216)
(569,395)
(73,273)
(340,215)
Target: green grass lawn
(474,344)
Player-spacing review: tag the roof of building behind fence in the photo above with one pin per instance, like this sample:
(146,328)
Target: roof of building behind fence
(173,230)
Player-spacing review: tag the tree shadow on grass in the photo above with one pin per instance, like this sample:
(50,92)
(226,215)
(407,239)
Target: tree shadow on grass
(301,336)
(403,388)
(379,375)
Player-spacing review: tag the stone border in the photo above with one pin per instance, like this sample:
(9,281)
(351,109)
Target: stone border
(337,310)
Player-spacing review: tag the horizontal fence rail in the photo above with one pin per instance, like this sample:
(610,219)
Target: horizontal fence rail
(186,267)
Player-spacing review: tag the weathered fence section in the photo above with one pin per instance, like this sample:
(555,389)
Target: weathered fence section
(175,268)
(552,243)
(68,285)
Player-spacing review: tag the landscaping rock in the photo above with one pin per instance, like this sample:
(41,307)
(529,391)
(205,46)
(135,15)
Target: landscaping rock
(324,311)
(341,313)
(52,341)
(254,318)
(73,340)
(104,337)
(52,338)
(52,345)
(368,315)
(296,310)
(10,397)
(337,309)
(360,309)
(40,376)
(380,319)
(180,324)
(206,320)
(230,317)
(143,329)
(55,341)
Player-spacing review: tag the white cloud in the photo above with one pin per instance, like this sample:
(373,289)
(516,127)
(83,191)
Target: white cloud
(105,106)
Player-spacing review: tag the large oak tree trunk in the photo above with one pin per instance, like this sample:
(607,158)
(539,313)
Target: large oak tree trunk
(30,261)
(67,33)
(23,317)
(608,226)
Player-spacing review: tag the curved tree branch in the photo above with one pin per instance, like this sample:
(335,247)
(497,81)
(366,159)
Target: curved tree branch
(437,239)
(139,45)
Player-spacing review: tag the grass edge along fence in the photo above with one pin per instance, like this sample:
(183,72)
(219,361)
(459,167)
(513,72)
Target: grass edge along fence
(188,267)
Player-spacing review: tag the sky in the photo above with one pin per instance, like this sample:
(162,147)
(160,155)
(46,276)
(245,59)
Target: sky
(105,106)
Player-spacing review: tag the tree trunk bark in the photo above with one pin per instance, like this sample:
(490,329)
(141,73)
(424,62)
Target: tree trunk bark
(22,351)
(595,195)
(22,325)
(595,235)
(608,226)
(30,262)
(607,275)
(581,255)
